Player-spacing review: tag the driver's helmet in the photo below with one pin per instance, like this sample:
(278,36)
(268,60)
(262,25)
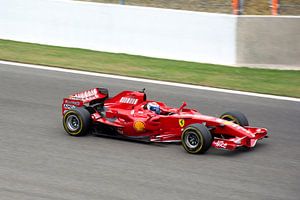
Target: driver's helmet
(153,106)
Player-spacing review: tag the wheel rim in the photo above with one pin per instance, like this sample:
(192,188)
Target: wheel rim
(73,122)
(191,140)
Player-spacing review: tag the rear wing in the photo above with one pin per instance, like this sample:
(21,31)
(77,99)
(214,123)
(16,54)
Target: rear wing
(81,98)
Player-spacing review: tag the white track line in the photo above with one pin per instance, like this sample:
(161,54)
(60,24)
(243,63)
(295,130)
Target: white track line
(151,81)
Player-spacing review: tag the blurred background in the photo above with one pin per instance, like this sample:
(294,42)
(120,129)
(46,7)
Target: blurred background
(245,7)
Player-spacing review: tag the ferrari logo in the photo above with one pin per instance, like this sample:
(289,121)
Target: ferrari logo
(181,122)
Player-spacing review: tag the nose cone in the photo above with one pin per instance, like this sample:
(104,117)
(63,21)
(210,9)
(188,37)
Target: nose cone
(243,130)
(237,130)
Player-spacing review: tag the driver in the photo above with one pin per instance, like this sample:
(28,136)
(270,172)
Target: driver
(153,106)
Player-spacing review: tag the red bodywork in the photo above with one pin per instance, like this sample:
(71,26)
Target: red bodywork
(126,113)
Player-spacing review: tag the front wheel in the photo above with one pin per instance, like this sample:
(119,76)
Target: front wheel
(76,121)
(196,139)
(235,117)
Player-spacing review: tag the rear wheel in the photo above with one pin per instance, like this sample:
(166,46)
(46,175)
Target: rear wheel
(76,121)
(196,138)
(236,117)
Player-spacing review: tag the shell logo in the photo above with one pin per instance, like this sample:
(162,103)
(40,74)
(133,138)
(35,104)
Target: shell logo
(139,126)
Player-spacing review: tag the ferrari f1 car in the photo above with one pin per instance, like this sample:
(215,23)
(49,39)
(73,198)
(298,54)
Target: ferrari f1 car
(130,115)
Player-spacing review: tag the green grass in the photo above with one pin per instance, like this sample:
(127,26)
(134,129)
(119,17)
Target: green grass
(278,82)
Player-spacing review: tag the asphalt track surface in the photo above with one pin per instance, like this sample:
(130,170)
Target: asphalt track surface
(38,160)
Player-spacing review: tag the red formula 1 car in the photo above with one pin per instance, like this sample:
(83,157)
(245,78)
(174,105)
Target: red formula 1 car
(130,115)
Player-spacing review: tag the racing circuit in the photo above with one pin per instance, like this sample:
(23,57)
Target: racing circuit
(38,160)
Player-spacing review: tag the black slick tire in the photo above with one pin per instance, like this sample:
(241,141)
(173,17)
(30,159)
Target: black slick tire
(235,117)
(76,121)
(196,139)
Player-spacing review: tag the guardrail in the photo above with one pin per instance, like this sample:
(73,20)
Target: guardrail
(164,33)
(237,7)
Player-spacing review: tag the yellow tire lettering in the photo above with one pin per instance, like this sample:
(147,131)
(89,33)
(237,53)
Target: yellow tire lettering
(234,120)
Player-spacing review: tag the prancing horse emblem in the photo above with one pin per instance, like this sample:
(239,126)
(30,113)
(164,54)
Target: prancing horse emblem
(181,122)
